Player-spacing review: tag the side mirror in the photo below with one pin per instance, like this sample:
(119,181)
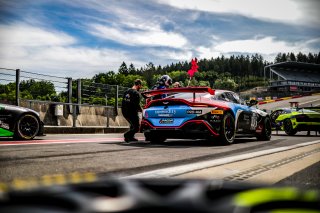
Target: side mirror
(252,102)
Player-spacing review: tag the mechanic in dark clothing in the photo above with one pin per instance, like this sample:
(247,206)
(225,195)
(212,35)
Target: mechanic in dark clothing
(130,108)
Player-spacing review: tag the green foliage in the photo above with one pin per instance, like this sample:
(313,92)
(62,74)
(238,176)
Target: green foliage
(39,89)
(123,69)
(204,83)
(127,81)
(178,75)
(225,84)
(236,73)
(30,89)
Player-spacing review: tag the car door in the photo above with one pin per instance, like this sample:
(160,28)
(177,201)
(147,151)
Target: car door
(246,120)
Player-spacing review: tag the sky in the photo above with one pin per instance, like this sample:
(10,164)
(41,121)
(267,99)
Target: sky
(81,38)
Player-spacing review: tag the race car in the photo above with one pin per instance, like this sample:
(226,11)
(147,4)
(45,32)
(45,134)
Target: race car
(292,120)
(202,113)
(19,122)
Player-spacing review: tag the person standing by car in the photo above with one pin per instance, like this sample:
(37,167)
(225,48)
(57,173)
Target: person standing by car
(130,109)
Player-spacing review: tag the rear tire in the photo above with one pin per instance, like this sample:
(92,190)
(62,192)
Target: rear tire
(228,130)
(288,128)
(266,130)
(27,127)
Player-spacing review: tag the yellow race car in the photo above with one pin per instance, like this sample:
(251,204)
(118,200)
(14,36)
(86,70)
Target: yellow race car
(293,120)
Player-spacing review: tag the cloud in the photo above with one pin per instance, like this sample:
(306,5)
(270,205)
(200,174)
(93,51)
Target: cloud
(26,35)
(171,55)
(205,52)
(131,24)
(285,11)
(266,46)
(36,49)
(146,37)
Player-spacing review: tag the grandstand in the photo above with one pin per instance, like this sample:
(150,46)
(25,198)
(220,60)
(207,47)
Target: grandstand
(293,77)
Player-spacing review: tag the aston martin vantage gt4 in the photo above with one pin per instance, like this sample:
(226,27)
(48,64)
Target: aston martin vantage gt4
(201,113)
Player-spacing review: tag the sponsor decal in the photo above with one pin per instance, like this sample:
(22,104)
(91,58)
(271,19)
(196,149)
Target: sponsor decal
(218,112)
(199,111)
(215,119)
(254,121)
(166,113)
(4,125)
(166,121)
(169,111)
(293,88)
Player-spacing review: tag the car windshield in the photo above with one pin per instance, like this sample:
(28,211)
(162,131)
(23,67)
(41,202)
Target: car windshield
(73,110)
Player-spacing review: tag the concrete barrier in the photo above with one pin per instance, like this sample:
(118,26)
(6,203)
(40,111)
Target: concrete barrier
(84,130)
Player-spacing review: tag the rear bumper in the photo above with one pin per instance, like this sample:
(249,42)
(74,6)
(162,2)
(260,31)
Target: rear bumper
(193,129)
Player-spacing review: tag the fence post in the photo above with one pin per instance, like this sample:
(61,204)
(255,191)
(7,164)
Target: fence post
(108,117)
(69,90)
(79,91)
(18,87)
(69,100)
(76,108)
(116,101)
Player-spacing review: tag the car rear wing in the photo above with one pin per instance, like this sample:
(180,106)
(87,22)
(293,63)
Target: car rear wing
(152,93)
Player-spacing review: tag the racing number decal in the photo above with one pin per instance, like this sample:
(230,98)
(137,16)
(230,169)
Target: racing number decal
(254,121)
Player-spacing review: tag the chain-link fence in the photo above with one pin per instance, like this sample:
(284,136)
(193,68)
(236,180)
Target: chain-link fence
(101,94)
(78,99)
(18,84)
(7,85)
(7,76)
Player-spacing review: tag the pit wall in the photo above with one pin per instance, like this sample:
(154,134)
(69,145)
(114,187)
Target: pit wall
(86,116)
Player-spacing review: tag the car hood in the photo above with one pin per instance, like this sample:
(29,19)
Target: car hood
(18,108)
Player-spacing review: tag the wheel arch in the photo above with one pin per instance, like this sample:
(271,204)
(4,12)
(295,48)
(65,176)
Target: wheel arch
(18,116)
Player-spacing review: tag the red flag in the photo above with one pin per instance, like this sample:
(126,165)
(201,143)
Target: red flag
(194,67)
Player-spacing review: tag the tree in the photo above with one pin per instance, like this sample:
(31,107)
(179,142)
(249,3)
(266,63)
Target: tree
(311,58)
(123,69)
(132,69)
(278,58)
(105,78)
(226,84)
(148,74)
(301,57)
(37,89)
(292,57)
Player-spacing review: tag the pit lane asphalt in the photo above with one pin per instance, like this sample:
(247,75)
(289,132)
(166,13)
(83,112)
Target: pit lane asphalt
(108,155)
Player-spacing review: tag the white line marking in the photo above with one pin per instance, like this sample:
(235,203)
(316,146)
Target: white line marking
(309,102)
(178,170)
(61,141)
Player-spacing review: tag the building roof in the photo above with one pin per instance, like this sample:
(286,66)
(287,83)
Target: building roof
(296,66)
(296,71)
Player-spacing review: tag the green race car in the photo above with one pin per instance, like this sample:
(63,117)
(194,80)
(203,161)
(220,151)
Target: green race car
(292,120)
